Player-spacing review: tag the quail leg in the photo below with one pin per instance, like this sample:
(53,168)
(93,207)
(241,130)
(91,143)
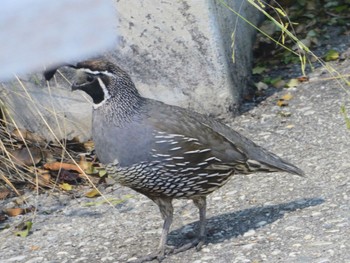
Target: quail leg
(166,209)
(201,203)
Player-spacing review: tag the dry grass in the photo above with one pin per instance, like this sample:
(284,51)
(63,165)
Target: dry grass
(23,154)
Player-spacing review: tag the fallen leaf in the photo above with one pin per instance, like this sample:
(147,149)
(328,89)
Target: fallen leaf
(66,187)
(292,83)
(25,229)
(102,172)
(13,211)
(55,166)
(284,113)
(83,163)
(303,79)
(261,86)
(89,145)
(2,219)
(345,115)
(34,248)
(283,101)
(287,96)
(68,176)
(279,84)
(258,70)
(331,55)
(91,169)
(27,156)
(44,179)
(92,193)
(22,134)
(4,192)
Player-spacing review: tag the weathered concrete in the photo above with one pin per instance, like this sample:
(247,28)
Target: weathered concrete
(178,52)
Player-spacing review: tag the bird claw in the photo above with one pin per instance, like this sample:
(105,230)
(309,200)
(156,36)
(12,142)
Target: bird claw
(160,256)
(197,243)
(150,257)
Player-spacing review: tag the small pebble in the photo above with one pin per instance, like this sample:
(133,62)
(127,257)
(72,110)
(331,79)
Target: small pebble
(206,250)
(35,260)
(261,223)
(104,259)
(248,246)
(16,259)
(307,237)
(249,233)
(275,252)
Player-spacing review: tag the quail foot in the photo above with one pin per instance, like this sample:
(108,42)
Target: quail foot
(164,151)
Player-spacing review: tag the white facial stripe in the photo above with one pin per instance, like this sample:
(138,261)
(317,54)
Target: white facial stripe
(97,72)
(105,92)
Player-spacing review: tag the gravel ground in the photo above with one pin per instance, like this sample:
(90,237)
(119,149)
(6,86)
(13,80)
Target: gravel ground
(256,218)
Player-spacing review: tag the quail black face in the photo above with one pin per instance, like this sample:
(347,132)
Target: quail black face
(93,83)
(103,80)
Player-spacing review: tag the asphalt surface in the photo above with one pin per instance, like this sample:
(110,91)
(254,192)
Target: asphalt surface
(256,218)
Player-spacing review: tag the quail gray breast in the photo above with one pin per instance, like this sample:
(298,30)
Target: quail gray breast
(164,151)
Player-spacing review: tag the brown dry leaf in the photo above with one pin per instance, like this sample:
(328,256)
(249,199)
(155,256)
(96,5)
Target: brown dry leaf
(92,193)
(44,179)
(27,135)
(66,166)
(66,187)
(2,219)
(68,176)
(283,101)
(287,96)
(89,145)
(13,211)
(34,248)
(27,156)
(4,192)
(44,176)
(85,165)
(303,79)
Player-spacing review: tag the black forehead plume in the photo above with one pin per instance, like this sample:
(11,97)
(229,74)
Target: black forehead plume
(97,65)
(48,74)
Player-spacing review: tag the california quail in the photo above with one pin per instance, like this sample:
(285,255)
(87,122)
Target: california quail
(163,151)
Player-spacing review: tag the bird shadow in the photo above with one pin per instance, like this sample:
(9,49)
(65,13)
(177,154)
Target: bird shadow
(230,225)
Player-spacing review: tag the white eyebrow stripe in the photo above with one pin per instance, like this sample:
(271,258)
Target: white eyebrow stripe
(105,91)
(87,70)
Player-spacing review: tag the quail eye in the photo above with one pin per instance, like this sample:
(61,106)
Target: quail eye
(90,78)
